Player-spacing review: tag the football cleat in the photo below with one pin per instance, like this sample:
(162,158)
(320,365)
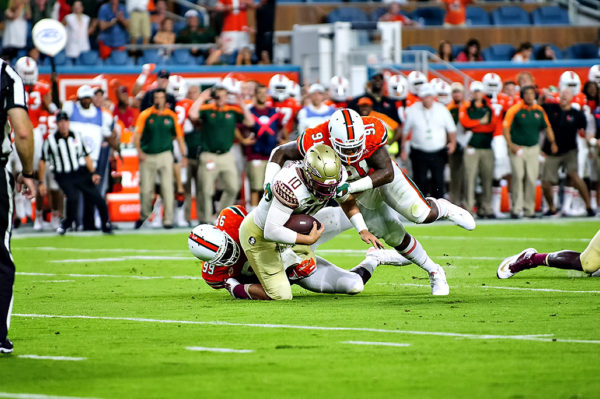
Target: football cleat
(61,230)
(38,224)
(459,216)
(514,264)
(596,273)
(302,270)
(6,346)
(387,257)
(439,285)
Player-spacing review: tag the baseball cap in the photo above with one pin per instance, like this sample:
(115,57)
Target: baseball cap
(191,13)
(476,86)
(85,91)
(377,75)
(62,116)
(457,87)
(365,101)
(163,73)
(98,89)
(426,89)
(316,88)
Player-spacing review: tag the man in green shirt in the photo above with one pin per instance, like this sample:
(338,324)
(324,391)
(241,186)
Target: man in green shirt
(193,33)
(217,121)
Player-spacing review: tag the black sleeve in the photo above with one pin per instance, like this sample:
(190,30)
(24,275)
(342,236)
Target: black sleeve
(582,121)
(172,102)
(147,100)
(12,90)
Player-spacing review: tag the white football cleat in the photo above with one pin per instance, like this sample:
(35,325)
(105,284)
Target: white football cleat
(596,273)
(504,271)
(439,285)
(38,224)
(387,257)
(458,215)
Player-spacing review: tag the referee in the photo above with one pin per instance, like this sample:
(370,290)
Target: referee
(12,107)
(73,168)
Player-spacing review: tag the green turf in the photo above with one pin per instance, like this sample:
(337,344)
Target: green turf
(135,359)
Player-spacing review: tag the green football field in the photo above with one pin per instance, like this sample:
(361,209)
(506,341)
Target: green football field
(127,316)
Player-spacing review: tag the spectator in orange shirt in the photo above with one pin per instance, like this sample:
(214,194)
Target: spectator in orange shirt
(234,34)
(394,15)
(456,12)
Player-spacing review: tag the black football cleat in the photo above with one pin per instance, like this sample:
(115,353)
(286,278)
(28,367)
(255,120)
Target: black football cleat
(6,347)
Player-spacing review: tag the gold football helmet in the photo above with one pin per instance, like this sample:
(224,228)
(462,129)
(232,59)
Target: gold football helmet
(322,170)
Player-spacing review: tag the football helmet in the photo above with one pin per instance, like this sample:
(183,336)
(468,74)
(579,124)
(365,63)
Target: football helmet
(594,74)
(443,92)
(233,87)
(415,80)
(322,171)
(212,245)
(347,135)
(339,88)
(397,86)
(492,84)
(294,90)
(27,69)
(177,87)
(279,87)
(570,80)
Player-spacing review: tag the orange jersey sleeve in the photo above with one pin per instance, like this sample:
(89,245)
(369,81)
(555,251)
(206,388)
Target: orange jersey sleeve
(182,109)
(376,135)
(316,135)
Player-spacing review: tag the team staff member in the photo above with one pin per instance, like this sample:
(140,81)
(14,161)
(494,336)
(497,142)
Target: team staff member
(522,125)
(13,107)
(456,159)
(568,123)
(217,121)
(479,117)
(155,130)
(74,172)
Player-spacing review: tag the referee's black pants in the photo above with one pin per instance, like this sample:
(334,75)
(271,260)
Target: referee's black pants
(77,182)
(434,163)
(7,266)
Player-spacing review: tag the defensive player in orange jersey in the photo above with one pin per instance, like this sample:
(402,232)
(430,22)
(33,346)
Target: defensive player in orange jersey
(280,88)
(383,192)
(225,264)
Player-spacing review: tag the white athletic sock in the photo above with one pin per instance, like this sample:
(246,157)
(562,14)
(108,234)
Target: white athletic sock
(416,254)
(496,199)
(593,201)
(567,200)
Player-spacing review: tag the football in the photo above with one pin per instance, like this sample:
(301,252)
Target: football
(301,223)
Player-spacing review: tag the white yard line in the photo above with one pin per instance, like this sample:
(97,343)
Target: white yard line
(223,350)
(103,250)
(38,357)
(110,276)
(375,343)
(530,337)
(123,258)
(363,252)
(37,396)
(500,288)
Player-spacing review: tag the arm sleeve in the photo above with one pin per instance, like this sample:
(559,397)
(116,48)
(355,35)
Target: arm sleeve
(141,122)
(464,119)
(276,218)
(510,115)
(12,91)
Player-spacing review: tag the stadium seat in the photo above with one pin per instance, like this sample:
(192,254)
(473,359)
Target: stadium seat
(377,13)
(119,58)
(557,51)
(151,57)
(429,16)
(178,26)
(510,15)
(181,57)
(421,47)
(61,59)
(550,15)
(347,14)
(291,1)
(457,48)
(90,58)
(477,16)
(583,51)
(498,52)
(200,60)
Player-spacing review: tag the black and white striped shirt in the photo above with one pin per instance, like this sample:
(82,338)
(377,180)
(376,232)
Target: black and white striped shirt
(12,95)
(65,155)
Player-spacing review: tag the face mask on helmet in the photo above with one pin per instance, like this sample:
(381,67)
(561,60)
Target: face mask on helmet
(214,246)
(27,69)
(347,135)
(279,87)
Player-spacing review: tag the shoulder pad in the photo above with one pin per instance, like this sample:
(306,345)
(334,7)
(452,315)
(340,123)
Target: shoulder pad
(285,195)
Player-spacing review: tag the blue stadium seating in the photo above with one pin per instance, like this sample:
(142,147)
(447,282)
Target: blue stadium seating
(290,1)
(584,51)
(200,60)
(181,57)
(429,16)
(421,47)
(557,51)
(498,52)
(119,58)
(60,59)
(347,14)
(457,48)
(477,16)
(90,58)
(510,16)
(550,15)
(151,57)
(377,13)
(178,26)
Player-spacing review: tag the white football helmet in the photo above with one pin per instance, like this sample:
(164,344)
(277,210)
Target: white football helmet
(294,90)
(492,84)
(177,87)
(279,87)
(339,88)
(594,74)
(415,80)
(233,87)
(443,92)
(397,86)
(27,69)
(347,135)
(212,245)
(570,80)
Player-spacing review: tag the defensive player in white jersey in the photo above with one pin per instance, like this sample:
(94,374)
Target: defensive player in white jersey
(383,192)
(300,188)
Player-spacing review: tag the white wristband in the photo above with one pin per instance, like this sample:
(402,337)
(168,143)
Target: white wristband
(360,185)
(141,79)
(358,222)
(271,170)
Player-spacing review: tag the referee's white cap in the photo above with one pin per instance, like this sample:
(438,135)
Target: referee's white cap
(85,91)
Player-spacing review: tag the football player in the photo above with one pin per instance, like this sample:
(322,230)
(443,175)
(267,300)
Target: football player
(383,191)
(415,80)
(301,187)
(397,87)
(226,266)
(587,261)
(281,89)
(339,91)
